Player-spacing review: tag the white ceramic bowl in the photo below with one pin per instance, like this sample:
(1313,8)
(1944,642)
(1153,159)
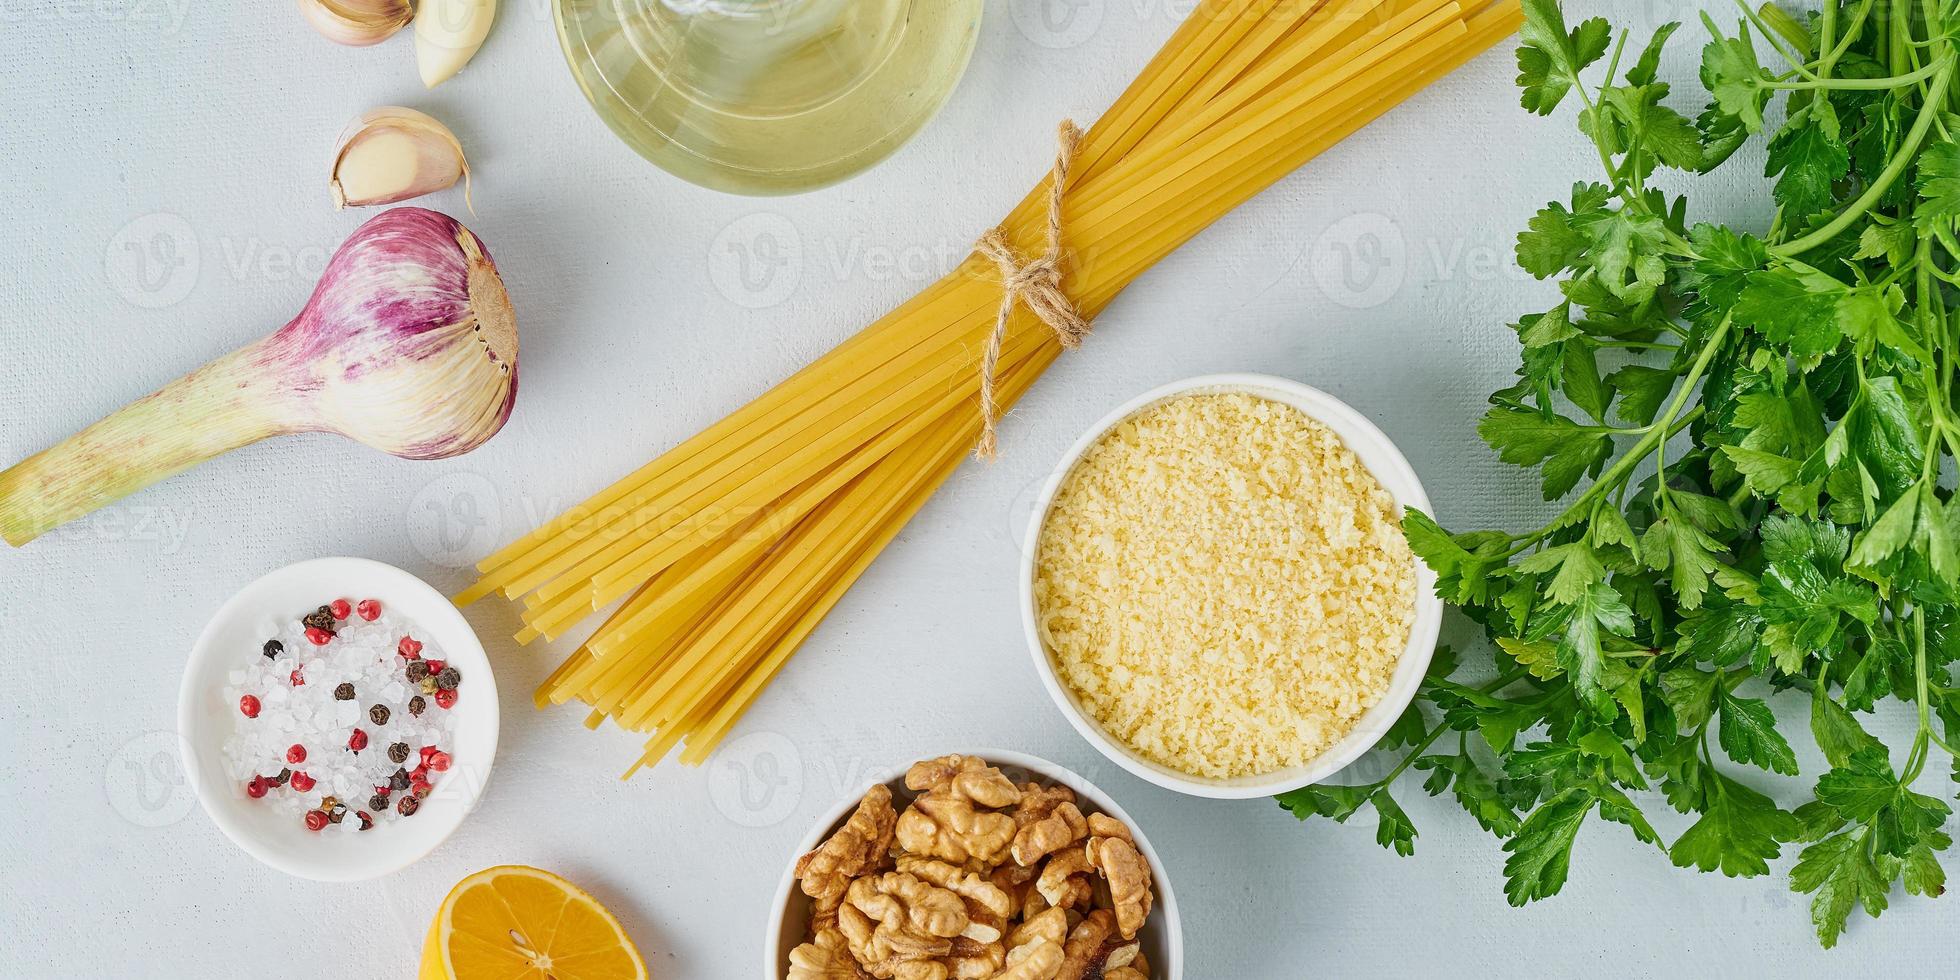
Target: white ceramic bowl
(1162,935)
(1383,460)
(205,719)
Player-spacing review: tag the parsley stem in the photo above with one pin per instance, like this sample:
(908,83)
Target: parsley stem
(1883,182)
(1851,33)
(1636,345)
(1503,680)
(1775,41)
(1861,84)
(1826,35)
(1663,427)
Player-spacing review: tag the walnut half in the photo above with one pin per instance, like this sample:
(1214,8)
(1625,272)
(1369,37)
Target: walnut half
(857,848)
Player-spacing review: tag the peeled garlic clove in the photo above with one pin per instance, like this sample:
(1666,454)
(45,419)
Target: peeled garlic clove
(392,154)
(357,22)
(448,34)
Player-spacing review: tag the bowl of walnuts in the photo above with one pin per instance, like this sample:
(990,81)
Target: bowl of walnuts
(990,866)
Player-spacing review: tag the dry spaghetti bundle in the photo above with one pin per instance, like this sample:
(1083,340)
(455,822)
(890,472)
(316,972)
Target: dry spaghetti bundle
(729,549)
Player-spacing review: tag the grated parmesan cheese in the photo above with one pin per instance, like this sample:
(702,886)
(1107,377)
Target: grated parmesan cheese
(1224,586)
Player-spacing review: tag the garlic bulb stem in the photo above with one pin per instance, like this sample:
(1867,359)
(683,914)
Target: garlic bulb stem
(448,34)
(144,442)
(357,22)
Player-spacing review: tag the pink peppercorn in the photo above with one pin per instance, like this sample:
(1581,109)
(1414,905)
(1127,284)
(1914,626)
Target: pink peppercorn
(409,647)
(301,782)
(317,636)
(358,740)
(256,788)
(340,609)
(296,754)
(446,699)
(369,610)
(248,706)
(439,762)
(316,819)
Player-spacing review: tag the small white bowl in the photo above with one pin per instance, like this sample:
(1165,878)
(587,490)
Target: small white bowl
(205,719)
(1387,465)
(1162,935)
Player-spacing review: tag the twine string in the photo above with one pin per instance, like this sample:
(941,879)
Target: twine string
(1035,283)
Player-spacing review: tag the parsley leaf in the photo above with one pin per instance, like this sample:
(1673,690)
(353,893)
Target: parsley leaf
(1549,58)
(1566,449)
(1735,77)
(1843,874)
(1749,735)
(1939,186)
(1541,851)
(1810,161)
(1738,833)
(1579,654)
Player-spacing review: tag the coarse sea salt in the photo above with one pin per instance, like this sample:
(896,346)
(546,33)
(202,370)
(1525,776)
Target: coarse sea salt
(365,655)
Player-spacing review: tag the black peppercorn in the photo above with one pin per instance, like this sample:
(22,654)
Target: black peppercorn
(399,780)
(345,692)
(449,678)
(408,805)
(280,780)
(417,671)
(398,752)
(274,648)
(320,619)
(379,715)
(416,704)
(378,801)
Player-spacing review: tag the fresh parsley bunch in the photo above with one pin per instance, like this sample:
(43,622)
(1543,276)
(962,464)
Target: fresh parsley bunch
(1760,489)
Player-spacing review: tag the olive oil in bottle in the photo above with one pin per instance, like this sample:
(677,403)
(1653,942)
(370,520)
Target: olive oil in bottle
(767,96)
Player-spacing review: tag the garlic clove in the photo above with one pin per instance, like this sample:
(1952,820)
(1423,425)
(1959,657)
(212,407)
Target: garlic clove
(448,34)
(357,22)
(392,154)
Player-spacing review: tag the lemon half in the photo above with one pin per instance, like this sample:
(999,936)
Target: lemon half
(519,923)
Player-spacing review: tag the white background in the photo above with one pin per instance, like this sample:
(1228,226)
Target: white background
(164,200)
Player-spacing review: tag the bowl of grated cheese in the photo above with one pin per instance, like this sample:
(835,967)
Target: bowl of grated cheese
(1216,590)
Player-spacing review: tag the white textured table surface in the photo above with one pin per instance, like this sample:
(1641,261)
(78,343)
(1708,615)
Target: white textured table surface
(165,200)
